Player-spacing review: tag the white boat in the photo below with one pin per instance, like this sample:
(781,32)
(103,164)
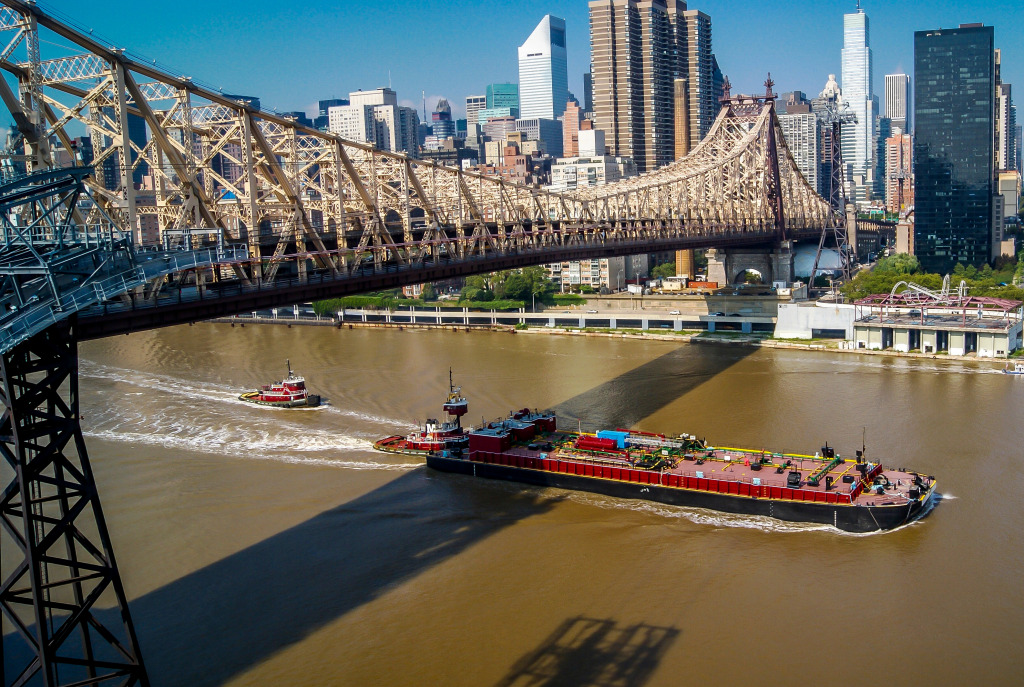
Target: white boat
(1018,369)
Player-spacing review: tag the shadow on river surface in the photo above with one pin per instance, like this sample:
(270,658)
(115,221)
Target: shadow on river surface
(217,622)
(589,652)
(635,395)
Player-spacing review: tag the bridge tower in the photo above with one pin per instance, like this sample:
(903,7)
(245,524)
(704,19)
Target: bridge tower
(57,566)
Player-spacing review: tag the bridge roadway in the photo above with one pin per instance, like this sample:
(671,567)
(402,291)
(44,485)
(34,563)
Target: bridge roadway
(230,297)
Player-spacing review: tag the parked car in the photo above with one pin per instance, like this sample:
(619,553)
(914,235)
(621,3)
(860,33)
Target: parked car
(591,312)
(716,314)
(673,312)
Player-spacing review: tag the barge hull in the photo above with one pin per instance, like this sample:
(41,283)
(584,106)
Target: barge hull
(850,518)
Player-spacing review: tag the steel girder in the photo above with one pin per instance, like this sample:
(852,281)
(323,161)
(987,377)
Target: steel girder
(215,161)
(63,571)
(742,174)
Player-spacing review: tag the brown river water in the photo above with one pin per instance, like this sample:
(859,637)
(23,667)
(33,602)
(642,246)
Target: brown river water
(269,547)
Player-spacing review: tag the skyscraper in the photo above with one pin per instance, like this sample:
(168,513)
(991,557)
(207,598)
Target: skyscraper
(638,49)
(858,138)
(374,117)
(1006,128)
(503,95)
(883,130)
(543,74)
(588,92)
(322,119)
(442,124)
(571,129)
(800,129)
(474,104)
(899,185)
(954,132)
(695,29)
(897,100)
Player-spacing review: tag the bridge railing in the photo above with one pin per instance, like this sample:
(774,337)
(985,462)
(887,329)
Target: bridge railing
(41,314)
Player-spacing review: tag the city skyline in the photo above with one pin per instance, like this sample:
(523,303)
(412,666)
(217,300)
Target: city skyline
(483,44)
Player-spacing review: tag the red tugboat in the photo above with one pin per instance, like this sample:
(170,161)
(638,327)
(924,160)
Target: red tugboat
(291,393)
(435,436)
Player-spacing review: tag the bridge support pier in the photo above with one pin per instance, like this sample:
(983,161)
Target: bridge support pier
(727,266)
(57,564)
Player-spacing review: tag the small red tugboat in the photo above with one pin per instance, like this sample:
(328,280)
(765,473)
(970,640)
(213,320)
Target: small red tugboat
(291,393)
(435,436)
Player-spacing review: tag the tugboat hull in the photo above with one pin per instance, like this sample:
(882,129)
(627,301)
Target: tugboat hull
(310,401)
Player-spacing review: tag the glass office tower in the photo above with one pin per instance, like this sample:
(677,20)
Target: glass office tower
(954,124)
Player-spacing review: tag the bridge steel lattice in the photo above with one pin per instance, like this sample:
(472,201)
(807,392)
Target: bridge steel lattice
(296,214)
(216,161)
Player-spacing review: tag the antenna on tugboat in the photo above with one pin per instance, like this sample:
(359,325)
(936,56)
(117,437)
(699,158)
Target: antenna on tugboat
(451,384)
(289,363)
(864,434)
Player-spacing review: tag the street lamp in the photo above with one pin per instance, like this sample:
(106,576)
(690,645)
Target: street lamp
(533,296)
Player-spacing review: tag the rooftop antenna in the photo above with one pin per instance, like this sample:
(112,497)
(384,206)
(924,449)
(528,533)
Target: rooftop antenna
(424,93)
(389,78)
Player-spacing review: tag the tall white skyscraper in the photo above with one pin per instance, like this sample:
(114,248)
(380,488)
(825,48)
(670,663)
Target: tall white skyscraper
(897,102)
(859,138)
(543,73)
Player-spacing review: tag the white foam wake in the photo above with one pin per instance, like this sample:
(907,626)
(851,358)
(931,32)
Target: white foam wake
(274,450)
(210,391)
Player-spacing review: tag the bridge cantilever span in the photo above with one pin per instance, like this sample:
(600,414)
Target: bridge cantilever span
(284,213)
(281,188)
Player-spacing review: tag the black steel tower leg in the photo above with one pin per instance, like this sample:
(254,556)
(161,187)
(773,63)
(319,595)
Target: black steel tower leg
(57,568)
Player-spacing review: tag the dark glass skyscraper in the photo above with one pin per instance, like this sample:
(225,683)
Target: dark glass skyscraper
(954,93)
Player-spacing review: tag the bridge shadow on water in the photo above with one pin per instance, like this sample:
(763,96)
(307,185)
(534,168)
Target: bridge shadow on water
(221,620)
(635,395)
(590,652)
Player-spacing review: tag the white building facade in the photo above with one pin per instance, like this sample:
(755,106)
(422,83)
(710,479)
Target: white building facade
(579,172)
(801,133)
(543,71)
(897,102)
(374,117)
(570,173)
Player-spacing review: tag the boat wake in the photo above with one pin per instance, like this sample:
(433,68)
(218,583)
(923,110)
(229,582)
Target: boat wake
(718,519)
(209,419)
(303,450)
(210,391)
(701,516)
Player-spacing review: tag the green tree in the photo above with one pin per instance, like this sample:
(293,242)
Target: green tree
(429,293)
(477,282)
(900,263)
(496,283)
(474,293)
(664,271)
(518,287)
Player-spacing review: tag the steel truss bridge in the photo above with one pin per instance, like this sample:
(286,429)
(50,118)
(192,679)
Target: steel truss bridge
(244,209)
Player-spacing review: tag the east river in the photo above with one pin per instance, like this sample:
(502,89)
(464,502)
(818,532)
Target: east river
(269,547)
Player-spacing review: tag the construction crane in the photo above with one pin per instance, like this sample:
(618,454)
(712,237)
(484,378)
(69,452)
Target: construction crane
(834,115)
(899,176)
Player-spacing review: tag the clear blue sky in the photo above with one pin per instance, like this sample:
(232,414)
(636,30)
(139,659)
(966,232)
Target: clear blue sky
(292,54)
